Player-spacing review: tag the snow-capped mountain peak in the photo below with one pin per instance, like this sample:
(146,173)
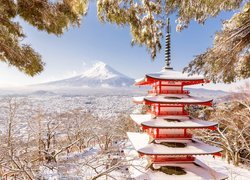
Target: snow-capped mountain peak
(99,75)
(102,71)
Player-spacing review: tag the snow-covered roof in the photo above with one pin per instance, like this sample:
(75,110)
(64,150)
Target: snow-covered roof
(139,99)
(168,74)
(139,80)
(160,122)
(141,144)
(172,99)
(196,170)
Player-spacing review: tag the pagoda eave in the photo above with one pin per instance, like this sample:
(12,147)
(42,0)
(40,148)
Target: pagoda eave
(212,127)
(195,170)
(149,81)
(204,103)
(150,101)
(183,122)
(141,144)
(186,80)
(143,153)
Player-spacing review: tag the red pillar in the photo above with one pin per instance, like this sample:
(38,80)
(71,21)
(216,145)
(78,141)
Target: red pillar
(159,87)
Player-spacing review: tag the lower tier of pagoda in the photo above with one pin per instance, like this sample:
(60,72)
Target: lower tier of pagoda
(146,145)
(190,170)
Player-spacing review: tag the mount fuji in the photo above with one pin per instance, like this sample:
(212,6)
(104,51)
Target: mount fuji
(100,75)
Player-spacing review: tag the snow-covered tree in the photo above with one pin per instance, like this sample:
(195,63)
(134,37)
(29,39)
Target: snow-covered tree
(50,16)
(233,133)
(227,60)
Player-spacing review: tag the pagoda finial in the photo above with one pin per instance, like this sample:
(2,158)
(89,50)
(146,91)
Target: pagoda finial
(167,46)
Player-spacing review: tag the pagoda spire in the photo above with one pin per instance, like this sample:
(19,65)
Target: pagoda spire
(167,47)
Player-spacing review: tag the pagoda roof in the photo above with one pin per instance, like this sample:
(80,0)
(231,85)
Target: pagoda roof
(147,120)
(172,99)
(169,75)
(195,170)
(141,143)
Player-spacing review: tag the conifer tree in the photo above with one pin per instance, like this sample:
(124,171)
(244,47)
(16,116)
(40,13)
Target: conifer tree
(52,17)
(227,60)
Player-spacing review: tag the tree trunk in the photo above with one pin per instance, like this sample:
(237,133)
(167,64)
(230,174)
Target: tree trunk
(236,158)
(228,158)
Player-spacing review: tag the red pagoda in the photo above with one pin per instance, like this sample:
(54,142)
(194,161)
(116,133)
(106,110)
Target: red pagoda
(166,140)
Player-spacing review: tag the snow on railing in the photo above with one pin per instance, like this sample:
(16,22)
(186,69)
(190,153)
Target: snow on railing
(164,113)
(156,158)
(156,135)
(174,135)
(168,92)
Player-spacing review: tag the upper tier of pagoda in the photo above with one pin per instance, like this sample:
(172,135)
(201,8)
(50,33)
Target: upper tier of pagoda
(171,77)
(172,99)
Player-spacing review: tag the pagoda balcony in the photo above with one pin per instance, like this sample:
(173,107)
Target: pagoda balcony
(164,113)
(168,92)
(182,136)
(167,113)
(159,159)
(169,136)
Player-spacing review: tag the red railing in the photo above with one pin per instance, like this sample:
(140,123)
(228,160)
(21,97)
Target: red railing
(173,135)
(157,135)
(168,92)
(170,113)
(159,159)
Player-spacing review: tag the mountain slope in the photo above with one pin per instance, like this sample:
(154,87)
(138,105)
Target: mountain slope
(100,75)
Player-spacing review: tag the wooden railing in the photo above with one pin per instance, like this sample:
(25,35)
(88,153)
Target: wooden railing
(168,92)
(159,159)
(164,136)
(173,135)
(169,113)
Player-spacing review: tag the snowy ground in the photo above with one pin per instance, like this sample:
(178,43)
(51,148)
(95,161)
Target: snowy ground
(100,106)
(220,165)
(81,172)
(79,166)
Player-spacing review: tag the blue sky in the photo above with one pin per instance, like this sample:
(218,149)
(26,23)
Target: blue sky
(79,48)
